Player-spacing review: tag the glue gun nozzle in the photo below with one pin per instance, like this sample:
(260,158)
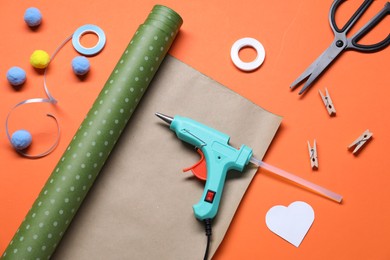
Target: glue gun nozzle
(165,118)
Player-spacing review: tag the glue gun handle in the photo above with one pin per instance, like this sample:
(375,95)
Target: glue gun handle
(218,164)
(208,205)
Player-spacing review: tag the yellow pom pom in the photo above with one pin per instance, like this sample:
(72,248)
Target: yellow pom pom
(39,59)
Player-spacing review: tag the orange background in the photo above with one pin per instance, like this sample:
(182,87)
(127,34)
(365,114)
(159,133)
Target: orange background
(293,33)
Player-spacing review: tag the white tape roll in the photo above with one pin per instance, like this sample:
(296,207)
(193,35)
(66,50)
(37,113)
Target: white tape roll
(247,42)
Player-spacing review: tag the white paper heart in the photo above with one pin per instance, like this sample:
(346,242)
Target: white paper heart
(292,222)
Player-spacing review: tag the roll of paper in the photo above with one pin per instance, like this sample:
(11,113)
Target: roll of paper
(67,186)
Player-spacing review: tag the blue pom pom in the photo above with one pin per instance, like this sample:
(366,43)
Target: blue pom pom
(16,76)
(33,17)
(21,139)
(80,65)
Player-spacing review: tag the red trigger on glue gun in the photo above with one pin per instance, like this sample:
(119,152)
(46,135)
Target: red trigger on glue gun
(199,169)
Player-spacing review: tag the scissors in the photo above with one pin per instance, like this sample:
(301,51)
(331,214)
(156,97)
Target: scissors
(341,42)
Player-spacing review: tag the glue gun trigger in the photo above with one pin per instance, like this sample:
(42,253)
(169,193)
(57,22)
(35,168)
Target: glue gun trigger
(199,169)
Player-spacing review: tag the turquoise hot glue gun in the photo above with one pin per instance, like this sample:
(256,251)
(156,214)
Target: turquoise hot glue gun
(220,158)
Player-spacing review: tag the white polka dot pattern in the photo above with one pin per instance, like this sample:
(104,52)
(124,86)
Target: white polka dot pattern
(56,205)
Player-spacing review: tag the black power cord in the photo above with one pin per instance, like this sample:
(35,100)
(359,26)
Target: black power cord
(207,222)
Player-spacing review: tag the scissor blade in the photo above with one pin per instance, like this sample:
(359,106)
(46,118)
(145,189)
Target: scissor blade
(309,70)
(323,62)
(306,73)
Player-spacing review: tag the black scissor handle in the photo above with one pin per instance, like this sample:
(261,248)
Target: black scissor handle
(366,28)
(359,12)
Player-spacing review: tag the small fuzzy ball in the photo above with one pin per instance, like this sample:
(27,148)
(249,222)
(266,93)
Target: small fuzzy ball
(39,59)
(16,76)
(21,139)
(33,17)
(80,65)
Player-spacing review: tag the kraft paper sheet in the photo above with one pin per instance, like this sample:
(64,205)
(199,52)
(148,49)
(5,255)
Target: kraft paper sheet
(140,206)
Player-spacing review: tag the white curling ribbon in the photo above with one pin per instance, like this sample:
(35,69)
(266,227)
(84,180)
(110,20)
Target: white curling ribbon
(52,147)
(93,29)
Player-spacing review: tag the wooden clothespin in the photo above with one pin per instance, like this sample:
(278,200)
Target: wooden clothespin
(360,141)
(313,155)
(328,102)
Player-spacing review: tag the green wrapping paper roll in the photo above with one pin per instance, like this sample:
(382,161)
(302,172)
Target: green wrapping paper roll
(67,186)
